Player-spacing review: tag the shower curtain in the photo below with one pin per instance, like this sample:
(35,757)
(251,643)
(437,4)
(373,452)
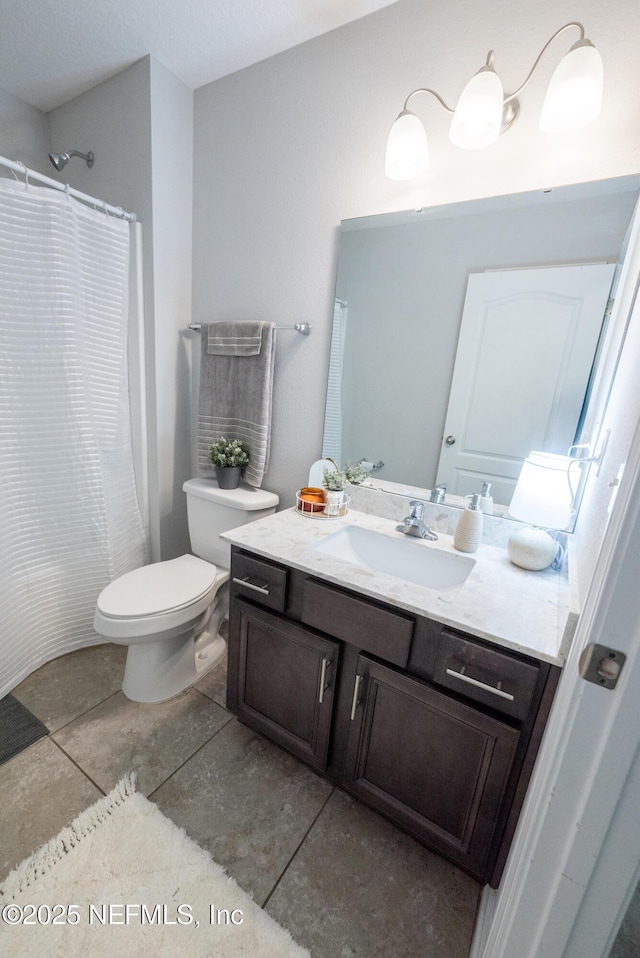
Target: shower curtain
(332,438)
(69,517)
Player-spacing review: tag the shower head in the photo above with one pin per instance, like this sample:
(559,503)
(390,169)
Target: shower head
(60,160)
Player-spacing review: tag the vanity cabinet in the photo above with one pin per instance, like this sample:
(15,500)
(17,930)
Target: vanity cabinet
(432,727)
(436,766)
(287,683)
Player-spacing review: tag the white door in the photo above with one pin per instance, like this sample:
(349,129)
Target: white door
(575,863)
(531,335)
(575,860)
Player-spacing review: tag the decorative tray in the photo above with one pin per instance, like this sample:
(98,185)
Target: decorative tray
(315,510)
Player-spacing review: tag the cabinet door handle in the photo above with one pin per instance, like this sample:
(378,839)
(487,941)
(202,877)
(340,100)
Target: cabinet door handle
(263,589)
(323,678)
(356,693)
(480,685)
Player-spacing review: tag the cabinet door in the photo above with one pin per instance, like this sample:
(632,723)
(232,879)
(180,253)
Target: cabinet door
(286,680)
(434,765)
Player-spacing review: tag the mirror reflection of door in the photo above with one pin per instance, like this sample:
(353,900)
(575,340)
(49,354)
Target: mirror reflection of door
(532,335)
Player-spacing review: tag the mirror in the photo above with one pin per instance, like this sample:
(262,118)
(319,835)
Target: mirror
(401,285)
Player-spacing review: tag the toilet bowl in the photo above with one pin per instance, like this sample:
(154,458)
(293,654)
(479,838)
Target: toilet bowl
(162,612)
(169,613)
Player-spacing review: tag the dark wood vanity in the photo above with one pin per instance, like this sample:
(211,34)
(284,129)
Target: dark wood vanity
(434,728)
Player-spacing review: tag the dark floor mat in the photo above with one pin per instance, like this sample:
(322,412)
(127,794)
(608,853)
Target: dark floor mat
(18,728)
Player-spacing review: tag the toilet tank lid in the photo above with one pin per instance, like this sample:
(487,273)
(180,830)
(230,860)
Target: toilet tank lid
(244,497)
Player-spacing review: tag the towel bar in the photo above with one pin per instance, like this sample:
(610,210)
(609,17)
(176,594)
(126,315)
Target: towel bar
(303,328)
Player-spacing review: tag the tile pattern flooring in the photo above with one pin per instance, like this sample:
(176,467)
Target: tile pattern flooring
(345,882)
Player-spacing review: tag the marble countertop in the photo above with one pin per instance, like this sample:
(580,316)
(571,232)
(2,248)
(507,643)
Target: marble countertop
(530,612)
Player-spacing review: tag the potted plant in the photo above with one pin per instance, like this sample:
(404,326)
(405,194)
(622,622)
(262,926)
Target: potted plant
(334,481)
(355,473)
(228,456)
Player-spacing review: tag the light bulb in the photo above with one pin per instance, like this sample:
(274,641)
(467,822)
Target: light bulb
(478,117)
(407,149)
(574,96)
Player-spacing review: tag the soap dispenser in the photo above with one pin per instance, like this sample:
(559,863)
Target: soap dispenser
(468,532)
(486,499)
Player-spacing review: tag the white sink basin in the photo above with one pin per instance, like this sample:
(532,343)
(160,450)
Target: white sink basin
(406,558)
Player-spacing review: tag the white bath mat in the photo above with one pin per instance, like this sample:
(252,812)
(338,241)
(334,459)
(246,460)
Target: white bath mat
(122,881)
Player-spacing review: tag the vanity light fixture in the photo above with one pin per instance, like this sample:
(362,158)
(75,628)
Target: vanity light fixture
(483,112)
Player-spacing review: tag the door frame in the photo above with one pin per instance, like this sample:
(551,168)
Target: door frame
(575,858)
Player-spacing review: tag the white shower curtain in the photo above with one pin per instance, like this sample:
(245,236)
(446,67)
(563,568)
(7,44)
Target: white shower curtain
(69,517)
(332,438)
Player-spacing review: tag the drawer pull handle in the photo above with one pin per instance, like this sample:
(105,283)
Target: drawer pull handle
(480,685)
(356,693)
(263,589)
(324,685)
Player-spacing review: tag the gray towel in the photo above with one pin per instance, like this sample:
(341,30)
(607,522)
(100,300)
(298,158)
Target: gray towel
(234,339)
(235,393)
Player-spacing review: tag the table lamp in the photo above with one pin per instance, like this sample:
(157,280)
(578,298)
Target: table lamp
(542,497)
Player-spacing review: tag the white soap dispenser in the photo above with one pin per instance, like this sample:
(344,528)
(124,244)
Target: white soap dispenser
(468,532)
(486,499)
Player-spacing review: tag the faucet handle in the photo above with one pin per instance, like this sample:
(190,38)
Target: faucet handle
(417,509)
(438,492)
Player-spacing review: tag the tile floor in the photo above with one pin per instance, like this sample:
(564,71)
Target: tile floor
(345,882)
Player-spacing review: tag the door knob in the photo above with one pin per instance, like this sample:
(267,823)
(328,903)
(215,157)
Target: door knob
(450,440)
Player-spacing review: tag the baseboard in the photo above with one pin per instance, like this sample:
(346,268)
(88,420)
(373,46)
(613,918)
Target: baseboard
(484,919)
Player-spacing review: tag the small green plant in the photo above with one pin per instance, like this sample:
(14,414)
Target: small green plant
(228,452)
(333,480)
(355,473)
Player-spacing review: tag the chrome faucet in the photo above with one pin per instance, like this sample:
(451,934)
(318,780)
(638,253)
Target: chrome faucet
(438,492)
(413,524)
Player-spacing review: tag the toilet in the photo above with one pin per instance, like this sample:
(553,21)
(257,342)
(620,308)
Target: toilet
(169,613)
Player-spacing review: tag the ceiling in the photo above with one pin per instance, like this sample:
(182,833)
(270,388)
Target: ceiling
(53,50)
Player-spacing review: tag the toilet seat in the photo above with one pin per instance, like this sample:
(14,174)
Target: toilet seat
(161,587)
(142,589)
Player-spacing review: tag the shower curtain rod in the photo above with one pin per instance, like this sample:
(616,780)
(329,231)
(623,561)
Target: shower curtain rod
(18,167)
(303,328)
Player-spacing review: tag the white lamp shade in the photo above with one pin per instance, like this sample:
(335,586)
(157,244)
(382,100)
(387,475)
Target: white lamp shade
(407,148)
(478,117)
(574,97)
(543,495)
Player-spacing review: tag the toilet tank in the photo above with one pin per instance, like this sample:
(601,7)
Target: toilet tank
(211,510)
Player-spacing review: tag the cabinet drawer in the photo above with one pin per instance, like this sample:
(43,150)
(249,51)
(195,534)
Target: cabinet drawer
(363,624)
(485,675)
(259,580)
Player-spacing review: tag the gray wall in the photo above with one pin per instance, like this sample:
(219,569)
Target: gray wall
(172,193)
(286,149)
(24,134)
